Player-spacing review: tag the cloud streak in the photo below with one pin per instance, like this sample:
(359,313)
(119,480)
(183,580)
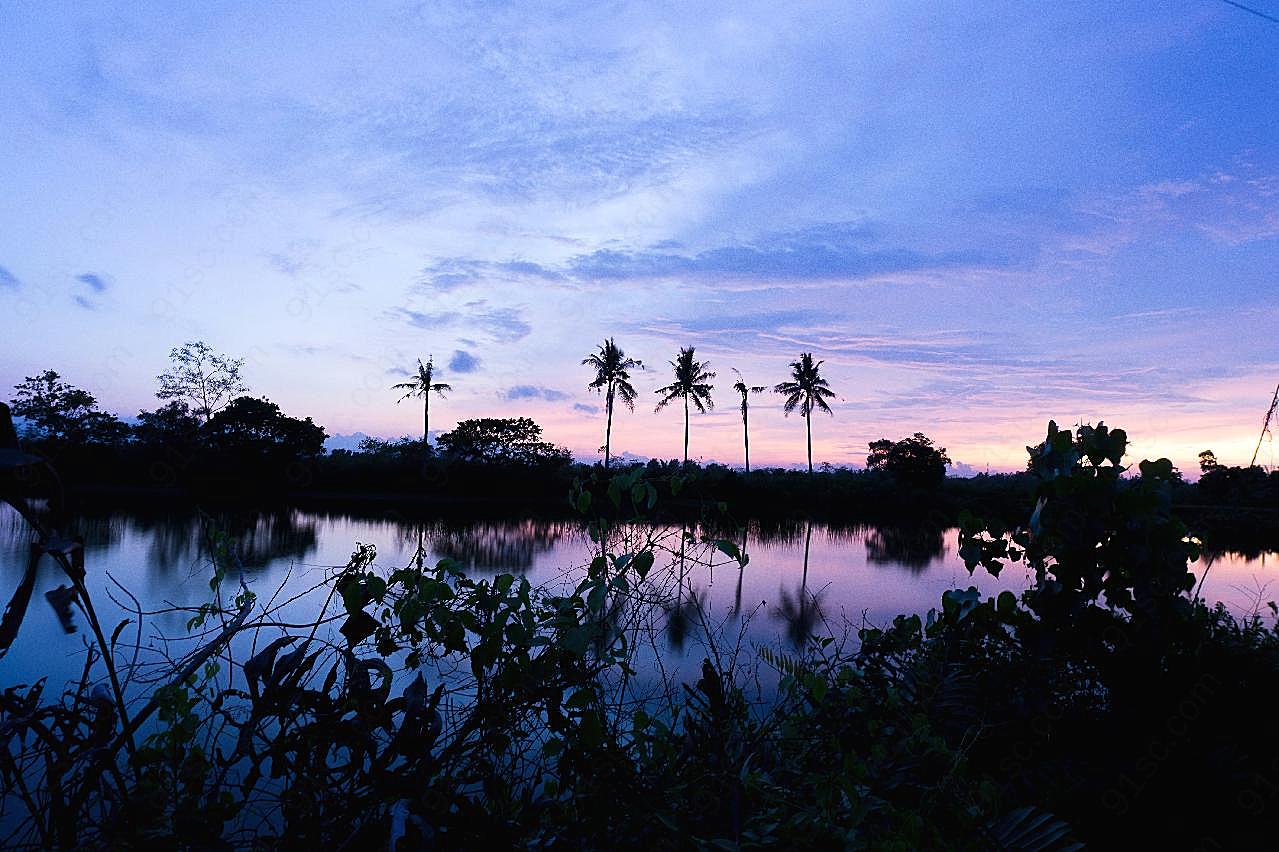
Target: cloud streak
(519,392)
(501,324)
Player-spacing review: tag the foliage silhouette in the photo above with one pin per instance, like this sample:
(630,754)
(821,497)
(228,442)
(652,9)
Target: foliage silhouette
(206,381)
(914,461)
(59,413)
(692,381)
(806,390)
(248,427)
(516,440)
(613,379)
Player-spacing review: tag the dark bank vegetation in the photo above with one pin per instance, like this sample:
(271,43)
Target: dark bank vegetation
(211,441)
(422,708)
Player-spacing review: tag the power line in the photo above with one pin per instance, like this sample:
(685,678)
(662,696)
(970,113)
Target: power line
(1271,18)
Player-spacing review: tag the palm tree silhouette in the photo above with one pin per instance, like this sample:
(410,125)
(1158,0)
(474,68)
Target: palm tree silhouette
(691,382)
(806,390)
(421,385)
(746,390)
(612,376)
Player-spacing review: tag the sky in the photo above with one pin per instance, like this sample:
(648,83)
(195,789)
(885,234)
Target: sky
(978,216)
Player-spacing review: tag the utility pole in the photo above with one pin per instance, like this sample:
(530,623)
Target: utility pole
(1265,424)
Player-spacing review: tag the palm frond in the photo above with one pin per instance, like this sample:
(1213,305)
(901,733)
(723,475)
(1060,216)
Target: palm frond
(626,392)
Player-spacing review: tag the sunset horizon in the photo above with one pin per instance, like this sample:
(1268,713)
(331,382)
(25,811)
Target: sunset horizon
(977,221)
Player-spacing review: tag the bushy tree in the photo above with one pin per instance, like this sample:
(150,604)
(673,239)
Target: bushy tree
(62,413)
(912,461)
(170,424)
(501,439)
(252,427)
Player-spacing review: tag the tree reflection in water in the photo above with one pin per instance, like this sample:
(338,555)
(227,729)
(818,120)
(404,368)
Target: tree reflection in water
(497,546)
(913,548)
(263,538)
(803,612)
(684,615)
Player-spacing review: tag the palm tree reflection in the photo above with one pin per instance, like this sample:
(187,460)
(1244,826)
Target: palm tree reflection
(803,612)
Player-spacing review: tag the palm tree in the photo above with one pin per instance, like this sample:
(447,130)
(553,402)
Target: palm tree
(691,382)
(613,378)
(746,390)
(807,390)
(421,385)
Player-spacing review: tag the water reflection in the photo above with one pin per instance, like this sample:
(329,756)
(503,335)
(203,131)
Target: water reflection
(801,613)
(264,538)
(493,546)
(913,548)
(684,615)
(801,577)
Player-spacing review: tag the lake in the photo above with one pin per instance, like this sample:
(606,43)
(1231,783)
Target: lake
(800,578)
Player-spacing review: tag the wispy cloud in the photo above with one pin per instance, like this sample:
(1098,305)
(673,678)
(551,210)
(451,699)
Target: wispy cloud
(832,251)
(533,392)
(95,282)
(502,324)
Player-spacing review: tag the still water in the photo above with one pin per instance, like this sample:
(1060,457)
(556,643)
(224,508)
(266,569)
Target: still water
(801,579)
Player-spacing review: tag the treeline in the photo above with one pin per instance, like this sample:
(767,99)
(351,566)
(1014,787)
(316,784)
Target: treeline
(210,438)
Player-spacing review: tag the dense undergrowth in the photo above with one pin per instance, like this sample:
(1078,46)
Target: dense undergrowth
(423,708)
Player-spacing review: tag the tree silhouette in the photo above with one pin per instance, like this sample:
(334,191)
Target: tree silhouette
(914,461)
(613,379)
(801,614)
(509,440)
(206,380)
(746,390)
(421,385)
(691,382)
(60,412)
(806,390)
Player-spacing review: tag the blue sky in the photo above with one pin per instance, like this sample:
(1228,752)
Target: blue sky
(980,216)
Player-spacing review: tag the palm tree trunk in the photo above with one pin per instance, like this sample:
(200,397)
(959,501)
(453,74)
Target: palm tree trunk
(803,583)
(746,438)
(808,421)
(608,430)
(426,419)
(685,429)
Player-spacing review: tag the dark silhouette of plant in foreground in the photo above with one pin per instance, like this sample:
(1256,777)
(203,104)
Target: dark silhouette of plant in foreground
(807,391)
(745,391)
(613,379)
(692,382)
(422,385)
